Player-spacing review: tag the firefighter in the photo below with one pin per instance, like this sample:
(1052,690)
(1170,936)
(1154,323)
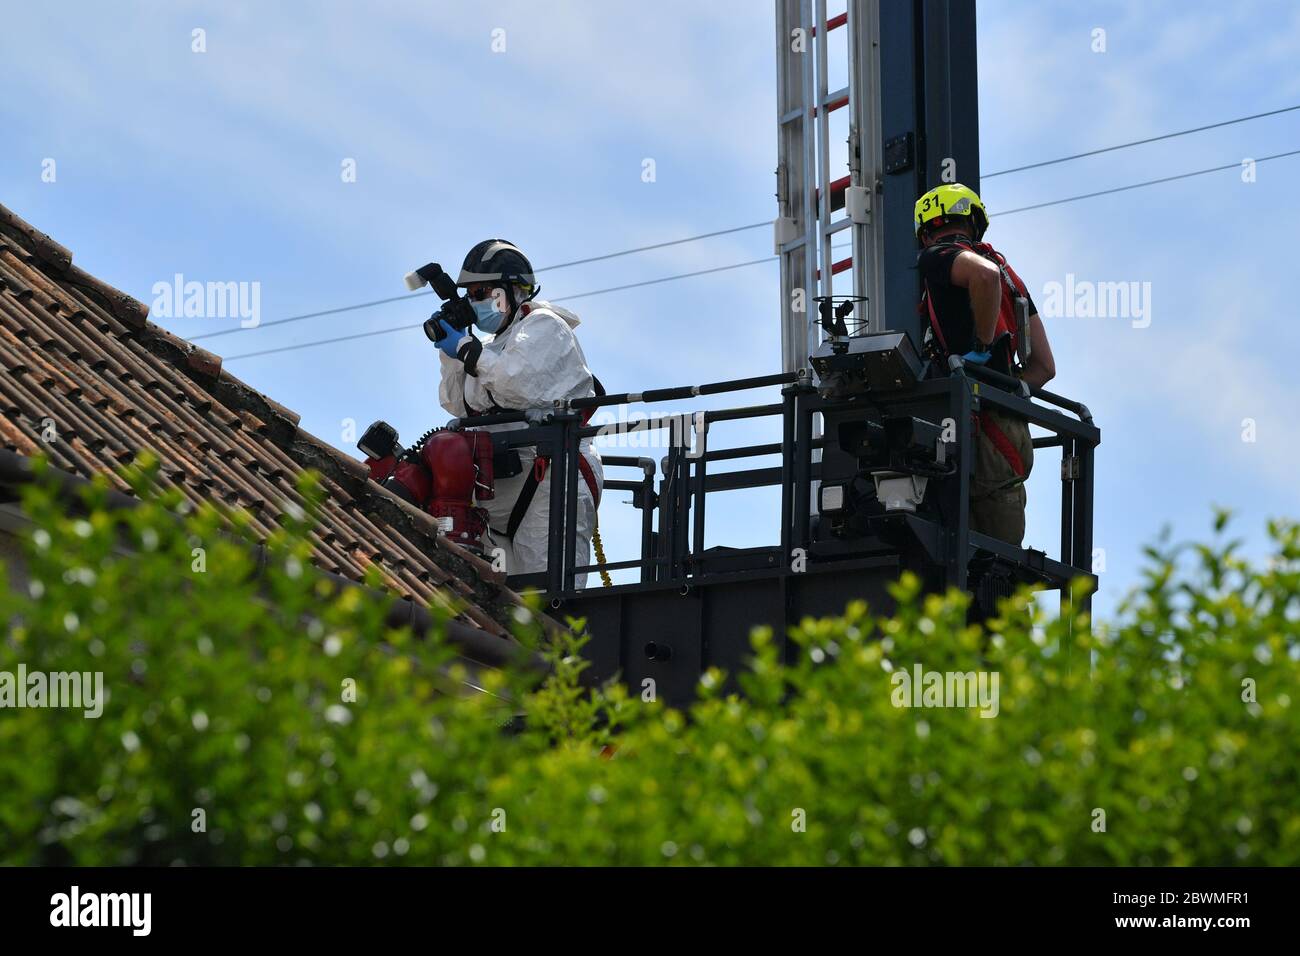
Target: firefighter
(530,359)
(970,303)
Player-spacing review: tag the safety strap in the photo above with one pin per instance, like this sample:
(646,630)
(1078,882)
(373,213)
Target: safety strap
(535,478)
(989,427)
(934,319)
(599,391)
(1011,280)
(1002,443)
(494,409)
(1009,276)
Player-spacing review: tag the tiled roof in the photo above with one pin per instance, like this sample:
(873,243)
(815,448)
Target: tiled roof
(81,354)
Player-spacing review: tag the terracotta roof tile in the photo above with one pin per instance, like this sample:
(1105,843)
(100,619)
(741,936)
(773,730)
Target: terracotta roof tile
(81,355)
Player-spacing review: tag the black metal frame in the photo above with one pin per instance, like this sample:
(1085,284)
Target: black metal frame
(672,531)
(694,607)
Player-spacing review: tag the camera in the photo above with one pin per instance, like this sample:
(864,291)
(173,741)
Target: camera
(456,310)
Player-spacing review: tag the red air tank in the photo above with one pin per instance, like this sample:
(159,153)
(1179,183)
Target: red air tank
(460,464)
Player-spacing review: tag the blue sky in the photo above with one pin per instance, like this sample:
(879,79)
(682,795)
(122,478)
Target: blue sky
(225,166)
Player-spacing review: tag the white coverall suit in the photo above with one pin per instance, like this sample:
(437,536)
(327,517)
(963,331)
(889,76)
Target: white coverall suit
(534,362)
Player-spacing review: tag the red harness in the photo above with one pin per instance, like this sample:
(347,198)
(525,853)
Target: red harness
(541,463)
(1012,286)
(1001,442)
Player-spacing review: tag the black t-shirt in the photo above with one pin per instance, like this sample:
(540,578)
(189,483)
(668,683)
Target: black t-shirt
(952,303)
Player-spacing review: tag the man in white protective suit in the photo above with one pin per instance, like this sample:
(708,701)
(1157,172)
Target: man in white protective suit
(530,359)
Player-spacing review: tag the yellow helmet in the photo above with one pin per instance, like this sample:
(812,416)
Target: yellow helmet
(944,204)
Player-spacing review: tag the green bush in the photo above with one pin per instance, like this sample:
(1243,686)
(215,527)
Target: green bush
(1167,737)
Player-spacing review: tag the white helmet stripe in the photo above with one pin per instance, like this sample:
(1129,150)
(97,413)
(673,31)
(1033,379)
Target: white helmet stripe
(496,247)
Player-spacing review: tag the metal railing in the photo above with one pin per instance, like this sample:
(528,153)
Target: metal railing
(672,528)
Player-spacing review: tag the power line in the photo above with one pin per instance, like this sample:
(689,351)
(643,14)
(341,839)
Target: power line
(1149,182)
(767,222)
(313,315)
(1139,142)
(684,275)
(307,345)
(561,265)
(739,265)
(567,298)
(657,245)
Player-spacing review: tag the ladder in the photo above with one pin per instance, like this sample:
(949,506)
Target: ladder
(807,197)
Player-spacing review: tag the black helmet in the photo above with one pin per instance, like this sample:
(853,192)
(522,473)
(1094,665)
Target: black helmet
(495,260)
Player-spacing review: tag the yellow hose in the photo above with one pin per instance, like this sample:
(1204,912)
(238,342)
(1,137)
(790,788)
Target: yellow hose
(600,553)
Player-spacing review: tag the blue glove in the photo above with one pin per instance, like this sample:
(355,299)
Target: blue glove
(452,340)
(977,358)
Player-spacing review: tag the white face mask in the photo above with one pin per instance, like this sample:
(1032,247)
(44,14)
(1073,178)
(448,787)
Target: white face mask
(490,312)
(486,316)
